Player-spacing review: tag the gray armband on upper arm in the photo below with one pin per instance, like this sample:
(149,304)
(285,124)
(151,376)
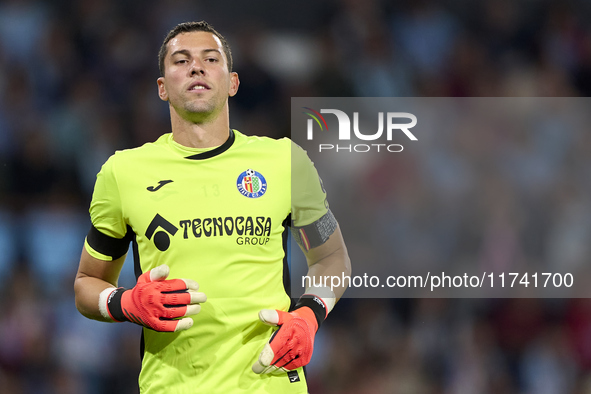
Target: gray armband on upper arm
(315,234)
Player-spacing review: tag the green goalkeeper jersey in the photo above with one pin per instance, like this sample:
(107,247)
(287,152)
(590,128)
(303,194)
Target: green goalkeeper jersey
(218,217)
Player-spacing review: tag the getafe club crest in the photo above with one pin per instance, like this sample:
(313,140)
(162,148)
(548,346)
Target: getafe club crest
(251,184)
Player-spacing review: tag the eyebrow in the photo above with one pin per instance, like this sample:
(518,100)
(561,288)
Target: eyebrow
(211,50)
(187,53)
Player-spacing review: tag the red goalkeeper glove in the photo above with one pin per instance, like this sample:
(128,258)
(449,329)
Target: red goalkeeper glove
(291,346)
(154,302)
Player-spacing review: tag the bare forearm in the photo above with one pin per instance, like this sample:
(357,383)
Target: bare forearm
(92,278)
(328,261)
(335,265)
(87,290)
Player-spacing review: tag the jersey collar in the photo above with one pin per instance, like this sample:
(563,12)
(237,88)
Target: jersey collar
(216,151)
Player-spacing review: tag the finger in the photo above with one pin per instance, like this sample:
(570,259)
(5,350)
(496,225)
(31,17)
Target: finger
(285,358)
(159,273)
(175,299)
(182,311)
(193,310)
(281,343)
(172,285)
(144,278)
(168,325)
(190,284)
(183,324)
(173,313)
(269,317)
(197,297)
(260,369)
(283,317)
(183,297)
(264,362)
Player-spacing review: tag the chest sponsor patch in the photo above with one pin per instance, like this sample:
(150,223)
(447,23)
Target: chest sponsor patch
(251,184)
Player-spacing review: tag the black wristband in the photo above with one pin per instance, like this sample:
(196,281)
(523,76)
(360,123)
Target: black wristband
(114,305)
(316,304)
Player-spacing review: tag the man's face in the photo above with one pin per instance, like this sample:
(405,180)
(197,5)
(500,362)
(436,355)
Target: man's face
(196,79)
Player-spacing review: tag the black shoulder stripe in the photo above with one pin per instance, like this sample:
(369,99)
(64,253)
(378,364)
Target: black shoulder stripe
(109,246)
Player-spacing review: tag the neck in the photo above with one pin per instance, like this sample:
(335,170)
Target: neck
(206,134)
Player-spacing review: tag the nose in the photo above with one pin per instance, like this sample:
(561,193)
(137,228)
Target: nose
(197,68)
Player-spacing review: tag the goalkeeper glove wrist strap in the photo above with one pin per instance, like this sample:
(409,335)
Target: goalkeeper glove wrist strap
(114,305)
(316,304)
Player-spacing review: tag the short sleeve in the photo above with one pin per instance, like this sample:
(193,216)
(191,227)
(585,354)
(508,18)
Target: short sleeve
(312,221)
(105,210)
(308,197)
(106,215)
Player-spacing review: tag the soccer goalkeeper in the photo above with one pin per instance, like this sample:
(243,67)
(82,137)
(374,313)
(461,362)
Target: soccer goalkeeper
(206,209)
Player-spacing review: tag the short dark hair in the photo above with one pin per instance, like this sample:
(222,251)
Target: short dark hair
(187,27)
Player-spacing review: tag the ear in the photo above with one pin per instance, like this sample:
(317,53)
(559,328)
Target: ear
(234,83)
(162,89)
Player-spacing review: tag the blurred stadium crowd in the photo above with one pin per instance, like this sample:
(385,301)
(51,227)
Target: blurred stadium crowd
(77,82)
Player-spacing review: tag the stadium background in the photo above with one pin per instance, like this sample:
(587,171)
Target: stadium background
(77,81)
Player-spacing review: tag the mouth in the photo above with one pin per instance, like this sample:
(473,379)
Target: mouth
(198,86)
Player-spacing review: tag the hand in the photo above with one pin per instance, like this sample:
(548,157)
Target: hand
(291,346)
(156,302)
